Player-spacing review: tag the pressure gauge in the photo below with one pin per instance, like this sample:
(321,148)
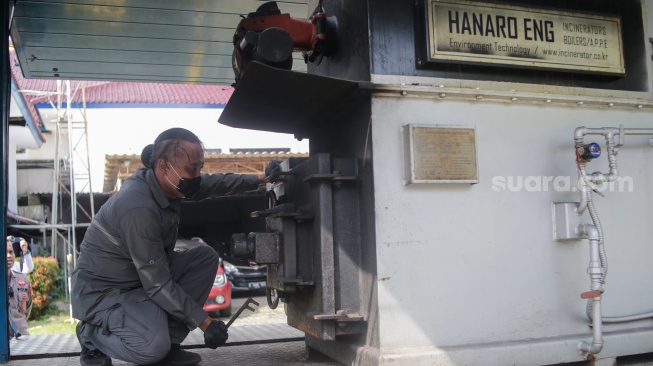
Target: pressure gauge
(591,151)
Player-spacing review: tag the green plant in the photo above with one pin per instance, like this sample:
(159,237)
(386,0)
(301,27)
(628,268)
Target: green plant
(59,289)
(42,279)
(39,250)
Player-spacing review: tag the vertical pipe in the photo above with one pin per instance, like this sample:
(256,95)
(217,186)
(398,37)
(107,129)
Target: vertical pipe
(597,337)
(69,280)
(88,158)
(582,187)
(55,182)
(71,167)
(595,271)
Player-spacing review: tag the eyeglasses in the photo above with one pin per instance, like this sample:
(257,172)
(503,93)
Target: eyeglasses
(11,291)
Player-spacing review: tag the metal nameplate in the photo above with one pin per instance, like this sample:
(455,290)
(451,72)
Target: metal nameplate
(440,154)
(500,34)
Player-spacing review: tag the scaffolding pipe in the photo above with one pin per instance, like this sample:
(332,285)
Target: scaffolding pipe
(57,171)
(73,194)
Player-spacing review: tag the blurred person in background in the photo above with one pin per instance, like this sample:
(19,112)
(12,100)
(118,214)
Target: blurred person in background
(26,264)
(19,296)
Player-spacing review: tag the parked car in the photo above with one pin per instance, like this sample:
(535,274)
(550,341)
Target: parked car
(243,276)
(218,304)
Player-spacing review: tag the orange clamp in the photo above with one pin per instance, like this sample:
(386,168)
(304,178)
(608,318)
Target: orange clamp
(590,294)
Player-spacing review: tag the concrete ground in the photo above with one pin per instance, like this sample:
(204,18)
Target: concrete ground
(255,338)
(261,338)
(266,354)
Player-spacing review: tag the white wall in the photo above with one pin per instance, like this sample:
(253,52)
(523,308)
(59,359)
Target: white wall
(471,265)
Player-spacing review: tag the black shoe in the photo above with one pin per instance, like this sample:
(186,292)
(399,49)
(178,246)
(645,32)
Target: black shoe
(93,358)
(179,357)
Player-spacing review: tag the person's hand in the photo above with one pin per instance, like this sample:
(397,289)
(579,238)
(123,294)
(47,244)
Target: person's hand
(23,246)
(273,170)
(215,334)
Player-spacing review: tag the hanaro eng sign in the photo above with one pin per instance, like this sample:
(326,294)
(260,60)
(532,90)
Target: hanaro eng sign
(501,34)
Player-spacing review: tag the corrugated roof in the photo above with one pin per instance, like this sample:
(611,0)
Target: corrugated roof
(127,93)
(151,93)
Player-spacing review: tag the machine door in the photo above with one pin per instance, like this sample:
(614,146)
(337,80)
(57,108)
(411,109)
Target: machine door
(312,246)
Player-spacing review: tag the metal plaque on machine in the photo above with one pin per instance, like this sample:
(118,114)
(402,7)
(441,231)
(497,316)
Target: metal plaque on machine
(440,154)
(531,37)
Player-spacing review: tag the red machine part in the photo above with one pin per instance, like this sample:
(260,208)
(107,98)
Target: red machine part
(269,37)
(303,32)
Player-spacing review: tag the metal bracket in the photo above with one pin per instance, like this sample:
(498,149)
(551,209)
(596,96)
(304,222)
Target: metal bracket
(332,177)
(339,316)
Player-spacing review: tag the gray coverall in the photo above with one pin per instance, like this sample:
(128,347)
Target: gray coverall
(133,293)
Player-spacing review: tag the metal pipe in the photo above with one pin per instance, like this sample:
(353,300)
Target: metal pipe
(596,272)
(612,157)
(612,150)
(626,318)
(581,132)
(599,177)
(597,337)
(595,268)
(598,266)
(582,187)
(603,259)
(604,265)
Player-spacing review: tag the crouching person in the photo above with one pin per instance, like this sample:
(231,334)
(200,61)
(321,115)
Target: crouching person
(136,298)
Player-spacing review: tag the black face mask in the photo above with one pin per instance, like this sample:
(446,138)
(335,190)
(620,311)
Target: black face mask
(187,186)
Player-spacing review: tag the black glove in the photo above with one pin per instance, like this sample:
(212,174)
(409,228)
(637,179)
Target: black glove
(273,171)
(215,334)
